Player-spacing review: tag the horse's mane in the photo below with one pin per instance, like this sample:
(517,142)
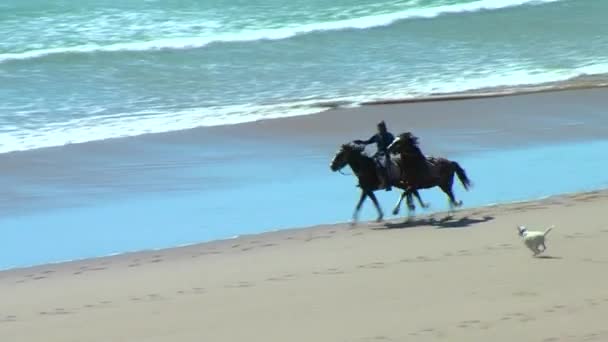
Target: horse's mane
(410,142)
(409,139)
(355,147)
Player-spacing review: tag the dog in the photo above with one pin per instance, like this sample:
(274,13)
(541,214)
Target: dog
(534,239)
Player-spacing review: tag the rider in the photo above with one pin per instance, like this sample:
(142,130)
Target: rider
(382,139)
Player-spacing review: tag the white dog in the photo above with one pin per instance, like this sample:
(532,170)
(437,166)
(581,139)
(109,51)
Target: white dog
(534,239)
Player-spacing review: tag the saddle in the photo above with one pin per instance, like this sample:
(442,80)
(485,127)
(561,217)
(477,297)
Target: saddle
(380,160)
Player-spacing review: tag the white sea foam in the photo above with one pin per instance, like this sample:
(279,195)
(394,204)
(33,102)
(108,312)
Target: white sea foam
(249,35)
(99,127)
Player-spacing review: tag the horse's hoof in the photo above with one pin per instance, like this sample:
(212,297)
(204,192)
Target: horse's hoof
(411,207)
(459,204)
(396,211)
(380,218)
(426,205)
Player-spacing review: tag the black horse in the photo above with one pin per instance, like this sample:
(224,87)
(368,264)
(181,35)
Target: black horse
(368,175)
(426,173)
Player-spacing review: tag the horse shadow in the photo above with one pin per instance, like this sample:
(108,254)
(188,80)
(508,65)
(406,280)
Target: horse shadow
(447,222)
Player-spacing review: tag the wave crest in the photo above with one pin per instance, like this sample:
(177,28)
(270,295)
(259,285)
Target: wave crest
(364,22)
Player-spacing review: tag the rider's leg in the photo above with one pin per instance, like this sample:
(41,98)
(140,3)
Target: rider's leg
(387,168)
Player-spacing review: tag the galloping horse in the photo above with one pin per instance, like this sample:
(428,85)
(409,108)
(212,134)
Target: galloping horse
(366,170)
(426,173)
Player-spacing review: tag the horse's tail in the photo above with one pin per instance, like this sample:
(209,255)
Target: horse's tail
(462,175)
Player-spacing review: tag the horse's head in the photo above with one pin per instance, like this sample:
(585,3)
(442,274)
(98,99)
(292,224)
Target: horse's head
(403,142)
(344,155)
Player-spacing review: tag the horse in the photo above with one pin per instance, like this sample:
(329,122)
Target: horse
(368,175)
(437,171)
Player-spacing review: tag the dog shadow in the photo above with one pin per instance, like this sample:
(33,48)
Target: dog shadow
(446,222)
(549,257)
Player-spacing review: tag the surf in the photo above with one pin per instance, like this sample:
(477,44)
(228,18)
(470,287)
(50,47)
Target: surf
(286,32)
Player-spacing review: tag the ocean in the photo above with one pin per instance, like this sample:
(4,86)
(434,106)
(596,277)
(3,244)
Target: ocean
(90,70)
(73,75)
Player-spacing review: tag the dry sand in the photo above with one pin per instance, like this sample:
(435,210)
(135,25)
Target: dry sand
(467,279)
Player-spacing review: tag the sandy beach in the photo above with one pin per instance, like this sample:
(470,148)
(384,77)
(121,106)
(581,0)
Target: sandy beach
(467,279)
(177,171)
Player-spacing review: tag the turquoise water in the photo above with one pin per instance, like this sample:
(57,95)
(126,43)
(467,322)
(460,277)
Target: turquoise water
(89,70)
(271,195)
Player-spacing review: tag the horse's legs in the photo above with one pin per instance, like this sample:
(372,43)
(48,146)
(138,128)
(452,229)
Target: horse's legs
(448,191)
(358,207)
(411,208)
(375,200)
(422,204)
(398,205)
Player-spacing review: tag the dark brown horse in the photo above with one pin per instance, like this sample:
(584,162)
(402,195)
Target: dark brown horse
(426,173)
(367,172)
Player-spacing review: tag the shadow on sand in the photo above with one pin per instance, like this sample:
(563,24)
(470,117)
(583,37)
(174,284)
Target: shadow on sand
(446,222)
(547,257)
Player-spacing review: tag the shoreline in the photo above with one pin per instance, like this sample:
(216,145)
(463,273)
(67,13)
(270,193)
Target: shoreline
(271,234)
(128,191)
(579,83)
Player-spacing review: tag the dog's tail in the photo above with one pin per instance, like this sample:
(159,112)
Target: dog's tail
(548,230)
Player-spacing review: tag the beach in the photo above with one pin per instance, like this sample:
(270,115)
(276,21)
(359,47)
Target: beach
(165,170)
(469,278)
(177,188)
(461,279)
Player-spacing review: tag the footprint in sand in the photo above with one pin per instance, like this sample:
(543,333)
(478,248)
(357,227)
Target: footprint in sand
(154,297)
(420,258)
(592,302)
(576,236)
(240,284)
(524,293)
(329,271)
(55,312)
(469,323)
(9,318)
(464,252)
(518,316)
(193,291)
(376,338)
(284,277)
(373,265)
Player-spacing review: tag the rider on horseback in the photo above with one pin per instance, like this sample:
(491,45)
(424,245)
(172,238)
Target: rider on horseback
(382,139)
